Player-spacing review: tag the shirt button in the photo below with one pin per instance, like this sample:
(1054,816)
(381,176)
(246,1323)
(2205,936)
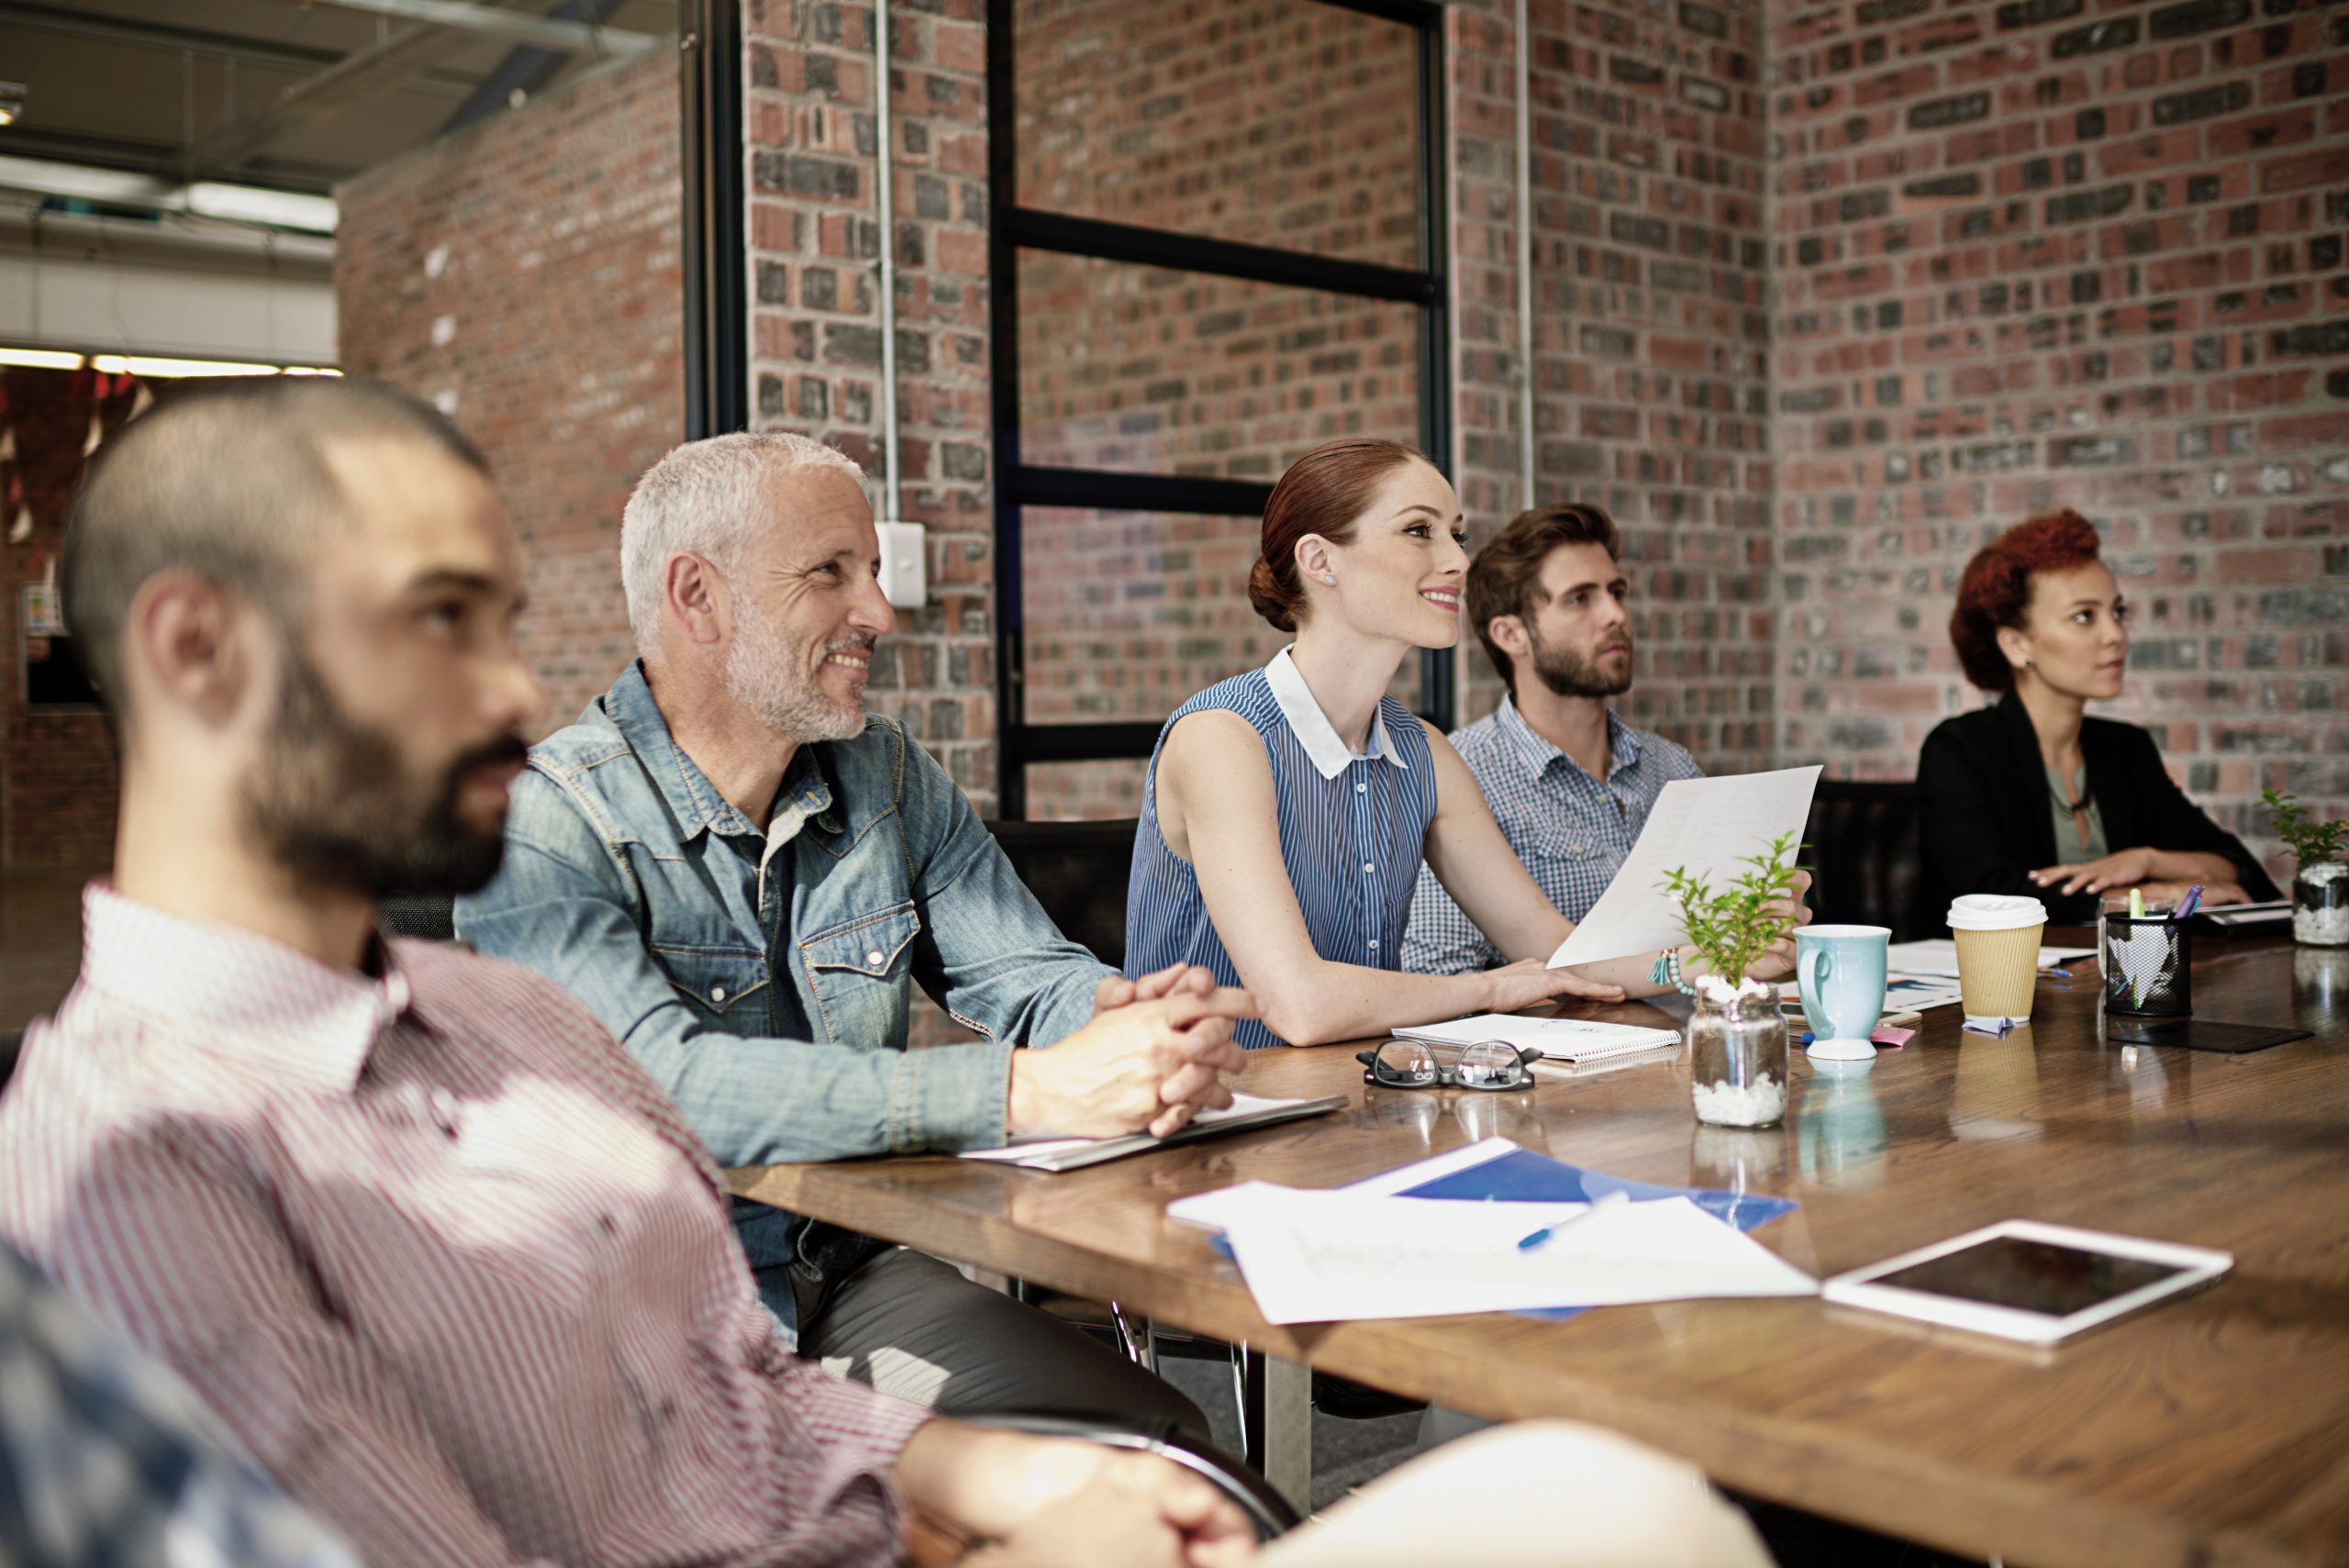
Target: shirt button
(873,958)
(1374,944)
(1365,865)
(1362,789)
(718,993)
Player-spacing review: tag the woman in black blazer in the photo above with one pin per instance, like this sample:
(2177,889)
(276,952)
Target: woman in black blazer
(2032,796)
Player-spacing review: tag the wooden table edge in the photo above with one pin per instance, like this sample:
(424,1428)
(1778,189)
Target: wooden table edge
(1757,1456)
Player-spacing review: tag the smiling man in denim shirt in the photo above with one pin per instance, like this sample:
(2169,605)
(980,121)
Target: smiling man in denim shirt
(744,875)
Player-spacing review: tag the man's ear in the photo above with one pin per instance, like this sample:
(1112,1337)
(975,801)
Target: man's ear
(1508,633)
(189,646)
(697,598)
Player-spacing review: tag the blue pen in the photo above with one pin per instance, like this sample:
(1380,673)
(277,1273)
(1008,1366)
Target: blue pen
(2186,905)
(1607,1200)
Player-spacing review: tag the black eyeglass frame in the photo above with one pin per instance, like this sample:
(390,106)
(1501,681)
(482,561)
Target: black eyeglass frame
(1449,1077)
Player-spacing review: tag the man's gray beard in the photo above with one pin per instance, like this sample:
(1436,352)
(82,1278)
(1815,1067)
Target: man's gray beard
(762,673)
(1571,675)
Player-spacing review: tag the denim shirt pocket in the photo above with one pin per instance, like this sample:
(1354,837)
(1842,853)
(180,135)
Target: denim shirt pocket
(726,986)
(859,975)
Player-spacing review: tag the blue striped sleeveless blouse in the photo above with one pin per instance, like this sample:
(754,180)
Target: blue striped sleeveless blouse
(1352,839)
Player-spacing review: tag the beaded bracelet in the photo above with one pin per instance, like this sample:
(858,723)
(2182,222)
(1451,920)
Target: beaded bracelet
(1667,971)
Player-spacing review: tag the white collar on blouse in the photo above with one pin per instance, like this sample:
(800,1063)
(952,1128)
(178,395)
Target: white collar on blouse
(1312,727)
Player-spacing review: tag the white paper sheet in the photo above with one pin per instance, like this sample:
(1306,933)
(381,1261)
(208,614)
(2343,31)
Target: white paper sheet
(1941,957)
(1903,992)
(1318,1257)
(1704,826)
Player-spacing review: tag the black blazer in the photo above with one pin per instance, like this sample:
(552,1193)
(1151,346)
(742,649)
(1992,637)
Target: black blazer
(1987,819)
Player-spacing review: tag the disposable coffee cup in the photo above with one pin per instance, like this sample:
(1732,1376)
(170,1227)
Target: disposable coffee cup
(1998,956)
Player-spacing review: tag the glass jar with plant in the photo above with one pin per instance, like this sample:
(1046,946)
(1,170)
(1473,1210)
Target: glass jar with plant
(1737,1038)
(2321,880)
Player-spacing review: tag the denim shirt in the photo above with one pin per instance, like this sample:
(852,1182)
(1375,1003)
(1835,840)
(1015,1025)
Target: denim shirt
(764,975)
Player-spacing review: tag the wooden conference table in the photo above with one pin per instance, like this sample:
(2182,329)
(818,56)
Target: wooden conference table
(2211,1431)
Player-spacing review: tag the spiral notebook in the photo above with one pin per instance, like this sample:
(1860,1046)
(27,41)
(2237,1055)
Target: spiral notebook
(1558,1039)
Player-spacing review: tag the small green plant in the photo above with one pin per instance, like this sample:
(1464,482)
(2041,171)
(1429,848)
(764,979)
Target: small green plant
(1732,928)
(2314,843)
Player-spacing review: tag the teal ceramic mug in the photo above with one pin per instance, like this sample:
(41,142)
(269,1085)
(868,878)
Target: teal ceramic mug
(1840,972)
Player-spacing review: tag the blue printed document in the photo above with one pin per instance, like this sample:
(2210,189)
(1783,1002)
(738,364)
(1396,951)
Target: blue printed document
(1498,1170)
(1372,1249)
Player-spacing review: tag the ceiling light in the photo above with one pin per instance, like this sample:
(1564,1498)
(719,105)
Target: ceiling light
(140,364)
(40,359)
(250,204)
(11,102)
(49,178)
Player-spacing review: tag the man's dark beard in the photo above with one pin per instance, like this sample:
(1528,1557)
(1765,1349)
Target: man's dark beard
(1569,674)
(334,803)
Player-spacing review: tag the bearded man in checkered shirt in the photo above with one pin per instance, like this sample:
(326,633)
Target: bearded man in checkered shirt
(1570,783)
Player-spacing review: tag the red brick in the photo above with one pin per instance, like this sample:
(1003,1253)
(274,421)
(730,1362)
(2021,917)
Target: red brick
(568,358)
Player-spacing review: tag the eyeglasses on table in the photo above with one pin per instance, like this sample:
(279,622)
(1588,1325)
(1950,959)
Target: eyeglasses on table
(1415,1064)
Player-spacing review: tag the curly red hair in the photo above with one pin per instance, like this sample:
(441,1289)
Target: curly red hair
(1996,589)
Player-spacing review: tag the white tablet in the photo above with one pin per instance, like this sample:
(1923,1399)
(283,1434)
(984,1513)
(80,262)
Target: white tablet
(2022,1280)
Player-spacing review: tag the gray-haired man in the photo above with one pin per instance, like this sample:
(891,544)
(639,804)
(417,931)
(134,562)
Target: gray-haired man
(744,875)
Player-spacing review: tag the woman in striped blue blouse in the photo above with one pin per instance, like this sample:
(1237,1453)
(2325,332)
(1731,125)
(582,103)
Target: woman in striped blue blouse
(1288,810)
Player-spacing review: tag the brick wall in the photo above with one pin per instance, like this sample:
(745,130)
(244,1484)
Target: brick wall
(58,767)
(2034,254)
(1651,331)
(813,147)
(524,274)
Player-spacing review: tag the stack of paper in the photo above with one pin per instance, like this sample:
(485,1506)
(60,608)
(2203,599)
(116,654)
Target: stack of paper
(1941,957)
(1314,1257)
(1916,993)
(1558,1039)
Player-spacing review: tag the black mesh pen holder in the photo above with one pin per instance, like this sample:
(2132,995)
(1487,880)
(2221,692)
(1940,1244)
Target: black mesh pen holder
(2148,962)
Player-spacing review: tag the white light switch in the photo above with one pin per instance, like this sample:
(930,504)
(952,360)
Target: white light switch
(905,571)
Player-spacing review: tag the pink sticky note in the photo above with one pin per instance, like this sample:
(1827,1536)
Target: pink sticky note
(1892,1037)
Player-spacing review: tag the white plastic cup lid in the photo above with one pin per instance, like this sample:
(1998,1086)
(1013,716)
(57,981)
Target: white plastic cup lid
(1996,912)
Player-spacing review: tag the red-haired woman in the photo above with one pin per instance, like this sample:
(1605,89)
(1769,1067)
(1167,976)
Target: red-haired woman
(1288,810)
(2032,797)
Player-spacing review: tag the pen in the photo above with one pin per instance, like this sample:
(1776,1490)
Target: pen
(1607,1200)
(2136,904)
(2186,906)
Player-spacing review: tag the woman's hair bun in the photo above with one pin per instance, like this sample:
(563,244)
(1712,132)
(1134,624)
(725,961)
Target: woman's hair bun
(1274,602)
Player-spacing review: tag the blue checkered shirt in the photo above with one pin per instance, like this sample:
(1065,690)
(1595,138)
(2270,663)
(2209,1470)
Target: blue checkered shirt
(107,1460)
(1570,830)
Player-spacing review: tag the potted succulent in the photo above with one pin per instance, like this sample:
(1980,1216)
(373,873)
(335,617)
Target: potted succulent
(2321,880)
(1737,1038)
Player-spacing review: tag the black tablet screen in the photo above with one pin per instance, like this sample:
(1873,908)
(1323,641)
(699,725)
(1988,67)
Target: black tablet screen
(2030,1277)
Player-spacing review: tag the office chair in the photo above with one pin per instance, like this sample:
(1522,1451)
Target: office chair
(1078,872)
(1266,1509)
(1866,862)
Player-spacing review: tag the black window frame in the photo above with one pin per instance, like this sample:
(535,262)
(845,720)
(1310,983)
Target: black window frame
(1012,228)
(713,223)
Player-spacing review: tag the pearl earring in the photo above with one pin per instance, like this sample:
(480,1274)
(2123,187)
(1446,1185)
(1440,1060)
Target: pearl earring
(1330,578)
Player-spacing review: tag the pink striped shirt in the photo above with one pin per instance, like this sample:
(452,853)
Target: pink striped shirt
(436,1250)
